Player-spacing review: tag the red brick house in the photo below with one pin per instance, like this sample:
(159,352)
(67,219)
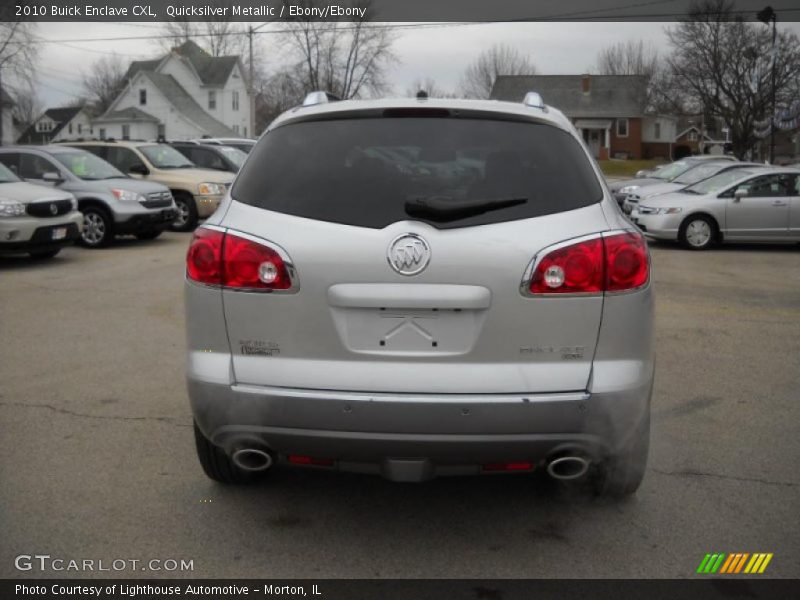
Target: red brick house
(610,111)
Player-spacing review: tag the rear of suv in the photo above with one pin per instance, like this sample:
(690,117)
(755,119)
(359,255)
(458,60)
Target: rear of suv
(416,288)
(197,192)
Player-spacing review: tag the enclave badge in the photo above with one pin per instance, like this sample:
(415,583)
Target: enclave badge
(409,254)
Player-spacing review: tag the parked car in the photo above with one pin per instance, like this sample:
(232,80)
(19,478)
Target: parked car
(35,220)
(197,192)
(700,171)
(111,203)
(243,144)
(668,173)
(754,204)
(358,315)
(216,158)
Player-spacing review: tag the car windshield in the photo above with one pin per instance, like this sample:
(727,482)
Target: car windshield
(234,155)
(165,157)
(717,182)
(699,173)
(86,165)
(6,176)
(451,172)
(671,171)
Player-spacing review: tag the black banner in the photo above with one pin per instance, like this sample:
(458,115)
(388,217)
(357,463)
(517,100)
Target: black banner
(374,10)
(367,589)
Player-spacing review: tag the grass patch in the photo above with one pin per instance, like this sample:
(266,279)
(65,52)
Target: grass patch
(626,168)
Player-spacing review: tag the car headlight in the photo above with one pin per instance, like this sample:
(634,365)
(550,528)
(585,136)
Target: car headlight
(11,208)
(210,189)
(127,195)
(673,210)
(628,189)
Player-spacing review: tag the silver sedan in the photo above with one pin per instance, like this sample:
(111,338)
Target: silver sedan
(758,204)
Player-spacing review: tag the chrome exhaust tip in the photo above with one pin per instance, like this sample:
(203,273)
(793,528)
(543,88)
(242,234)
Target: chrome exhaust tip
(567,467)
(252,459)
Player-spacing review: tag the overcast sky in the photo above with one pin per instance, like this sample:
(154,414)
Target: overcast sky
(441,53)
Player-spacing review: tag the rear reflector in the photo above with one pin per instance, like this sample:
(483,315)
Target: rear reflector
(300,459)
(512,466)
(613,263)
(235,262)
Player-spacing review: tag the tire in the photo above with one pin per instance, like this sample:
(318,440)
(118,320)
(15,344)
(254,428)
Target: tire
(698,233)
(622,474)
(98,227)
(217,465)
(187,213)
(149,235)
(42,254)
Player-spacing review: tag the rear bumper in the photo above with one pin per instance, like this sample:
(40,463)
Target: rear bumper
(440,434)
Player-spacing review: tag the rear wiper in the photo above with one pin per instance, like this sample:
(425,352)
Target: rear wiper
(446,208)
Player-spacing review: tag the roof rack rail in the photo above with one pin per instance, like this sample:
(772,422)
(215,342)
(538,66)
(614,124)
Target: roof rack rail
(319,98)
(534,100)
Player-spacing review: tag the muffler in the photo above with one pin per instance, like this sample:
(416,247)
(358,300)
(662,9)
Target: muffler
(252,459)
(567,467)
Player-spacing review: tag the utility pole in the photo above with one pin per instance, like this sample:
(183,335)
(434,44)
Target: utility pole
(765,16)
(252,101)
(1,106)
(250,32)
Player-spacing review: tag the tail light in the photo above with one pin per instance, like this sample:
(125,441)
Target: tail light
(237,262)
(613,263)
(301,459)
(511,466)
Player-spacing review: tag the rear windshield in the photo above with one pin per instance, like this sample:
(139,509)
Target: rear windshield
(450,172)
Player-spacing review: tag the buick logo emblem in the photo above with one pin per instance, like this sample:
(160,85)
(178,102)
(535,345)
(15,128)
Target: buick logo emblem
(409,254)
(53,209)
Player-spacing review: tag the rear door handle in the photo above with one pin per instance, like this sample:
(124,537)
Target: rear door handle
(778,203)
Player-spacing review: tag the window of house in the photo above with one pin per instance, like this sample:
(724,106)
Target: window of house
(142,97)
(692,136)
(126,132)
(212,99)
(70,128)
(80,127)
(102,133)
(235,100)
(657,131)
(236,129)
(622,127)
(245,131)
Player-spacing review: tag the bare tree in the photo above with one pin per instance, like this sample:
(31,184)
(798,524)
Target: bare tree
(219,37)
(347,58)
(479,78)
(634,57)
(275,94)
(18,54)
(103,83)
(27,107)
(429,85)
(723,64)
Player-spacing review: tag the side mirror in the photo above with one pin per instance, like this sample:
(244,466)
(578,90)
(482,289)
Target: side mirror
(52,177)
(139,169)
(740,193)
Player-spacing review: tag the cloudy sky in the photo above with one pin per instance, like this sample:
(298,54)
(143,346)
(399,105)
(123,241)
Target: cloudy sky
(440,53)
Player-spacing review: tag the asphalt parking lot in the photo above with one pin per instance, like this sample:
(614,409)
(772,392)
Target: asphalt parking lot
(97,458)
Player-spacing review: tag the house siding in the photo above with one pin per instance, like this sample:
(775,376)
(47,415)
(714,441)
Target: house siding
(80,121)
(176,127)
(630,146)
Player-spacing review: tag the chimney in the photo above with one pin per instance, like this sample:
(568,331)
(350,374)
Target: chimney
(586,84)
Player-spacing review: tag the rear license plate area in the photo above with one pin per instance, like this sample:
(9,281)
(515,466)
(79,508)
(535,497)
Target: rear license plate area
(58,233)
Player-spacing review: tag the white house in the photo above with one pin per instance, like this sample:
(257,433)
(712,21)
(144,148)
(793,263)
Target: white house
(58,125)
(185,94)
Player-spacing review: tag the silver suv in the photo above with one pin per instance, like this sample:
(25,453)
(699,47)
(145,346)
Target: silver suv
(416,288)
(112,203)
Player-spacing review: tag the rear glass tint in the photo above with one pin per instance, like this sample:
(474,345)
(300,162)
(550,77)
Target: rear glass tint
(364,172)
